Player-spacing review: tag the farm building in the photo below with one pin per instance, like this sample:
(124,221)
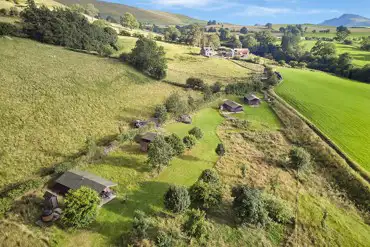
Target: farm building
(146,139)
(241,52)
(74,179)
(252,100)
(207,51)
(231,106)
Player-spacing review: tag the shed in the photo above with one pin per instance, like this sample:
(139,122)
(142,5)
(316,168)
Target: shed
(51,200)
(252,100)
(74,179)
(146,139)
(231,106)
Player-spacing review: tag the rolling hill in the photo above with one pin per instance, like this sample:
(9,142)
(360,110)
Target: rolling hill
(147,16)
(348,20)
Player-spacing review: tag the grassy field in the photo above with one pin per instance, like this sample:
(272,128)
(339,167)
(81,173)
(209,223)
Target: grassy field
(337,106)
(52,99)
(185,62)
(360,57)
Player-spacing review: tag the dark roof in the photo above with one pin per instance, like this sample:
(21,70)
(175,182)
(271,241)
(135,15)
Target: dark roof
(232,104)
(149,136)
(250,97)
(74,179)
(48,194)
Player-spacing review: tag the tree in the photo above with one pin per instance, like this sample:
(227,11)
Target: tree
(212,40)
(282,29)
(177,199)
(268,25)
(265,38)
(342,33)
(220,150)
(81,207)
(225,34)
(244,30)
(249,42)
(149,58)
(77,8)
(291,39)
(160,153)
(175,104)
(197,132)
(216,87)
(365,44)
(129,21)
(235,42)
(196,226)
(207,93)
(210,176)
(344,66)
(249,206)
(172,34)
(140,225)
(300,158)
(323,49)
(189,141)
(160,113)
(176,143)
(195,83)
(192,34)
(91,10)
(278,209)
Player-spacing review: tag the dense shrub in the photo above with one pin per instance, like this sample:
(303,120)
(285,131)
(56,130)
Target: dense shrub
(197,132)
(216,87)
(125,33)
(149,58)
(175,104)
(158,38)
(160,153)
(81,207)
(160,113)
(196,226)
(4,12)
(7,29)
(205,195)
(5,205)
(176,143)
(189,141)
(300,158)
(140,225)
(63,167)
(177,199)
(138,35)
(239,88)
(207,93)
(348,42)
(21,188)
(195,83)
(278,209)
(210,176)
(164,240)
(220,149)
(249,206)
(13,11)
(64,27)
(93,152)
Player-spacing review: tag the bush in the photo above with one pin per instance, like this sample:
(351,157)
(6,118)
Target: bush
(189,141)
(81,207)
(63,167)
(4,12)
(160,153)
(164,240)
(220,150)
(177,199)
(158,38)
(93,152)
(294,64)
(210,176)
(216,87)
(348,42)
(239,88)
(195,83)
(207,93)
(197,132)
(105,50)
(125,33)
(300,158)
(22,188)
(13,11)
(140,225)
(138,35)
(7,29)
(196,226)
(5,205)
(278,209)
(249,206)
(160,113)
(176,143)
(175,104)
(205,195)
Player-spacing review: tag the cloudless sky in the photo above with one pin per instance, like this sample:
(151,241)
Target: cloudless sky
(257,11)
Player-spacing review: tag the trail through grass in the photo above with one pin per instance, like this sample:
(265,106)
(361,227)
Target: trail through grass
(338,107)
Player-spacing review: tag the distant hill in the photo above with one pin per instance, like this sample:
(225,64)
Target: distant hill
(148,16)
(348,20)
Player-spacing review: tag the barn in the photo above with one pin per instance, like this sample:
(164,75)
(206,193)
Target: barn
(252,100)
(231,106)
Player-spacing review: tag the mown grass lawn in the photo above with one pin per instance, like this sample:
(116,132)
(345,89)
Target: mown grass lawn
(338,107)
(137,190)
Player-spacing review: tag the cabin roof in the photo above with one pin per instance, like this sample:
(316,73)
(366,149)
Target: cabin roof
(251,97)
(149,136)
(231,104)
(74,179)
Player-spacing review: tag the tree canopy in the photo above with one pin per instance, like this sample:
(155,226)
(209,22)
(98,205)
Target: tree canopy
(160,153)
(129,20)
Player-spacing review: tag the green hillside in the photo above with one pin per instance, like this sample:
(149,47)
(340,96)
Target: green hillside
(147,16)
(337,106)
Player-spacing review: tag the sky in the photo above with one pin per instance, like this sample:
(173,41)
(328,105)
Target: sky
(250,12)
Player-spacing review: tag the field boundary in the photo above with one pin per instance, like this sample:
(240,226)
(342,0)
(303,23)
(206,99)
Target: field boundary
(354,165)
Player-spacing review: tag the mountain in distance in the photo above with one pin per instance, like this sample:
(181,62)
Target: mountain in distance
(146,16)
(348,20)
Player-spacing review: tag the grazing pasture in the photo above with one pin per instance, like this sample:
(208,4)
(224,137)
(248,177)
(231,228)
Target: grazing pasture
(337,106)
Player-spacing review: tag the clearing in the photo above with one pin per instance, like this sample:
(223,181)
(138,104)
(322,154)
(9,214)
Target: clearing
(337,106)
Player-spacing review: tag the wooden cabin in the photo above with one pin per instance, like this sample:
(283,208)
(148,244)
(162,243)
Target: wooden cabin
(146,139)
(231,106)
(252,100)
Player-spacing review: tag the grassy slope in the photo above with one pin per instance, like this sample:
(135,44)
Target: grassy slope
(360,57)
(184,62)
(147,16)
(52,99)
(128,168)
(337,106)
